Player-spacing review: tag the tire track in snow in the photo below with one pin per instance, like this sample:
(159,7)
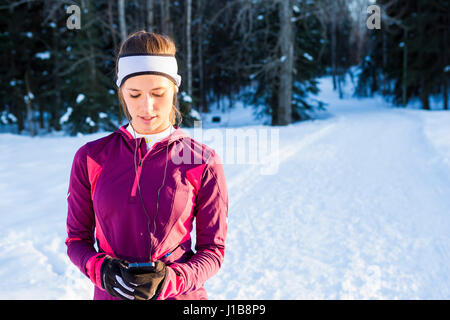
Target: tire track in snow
(340,220)
(382,223)
(253,174)
(241,186)
(243,183)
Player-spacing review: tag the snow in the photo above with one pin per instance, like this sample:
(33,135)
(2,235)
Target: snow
(12,117)
(43,55)
(90,122)
(195,114)
(186,97)
(65,117)
(28,97)
(357,209)
(80,98)
(3,118)
(239,116)
(308,56)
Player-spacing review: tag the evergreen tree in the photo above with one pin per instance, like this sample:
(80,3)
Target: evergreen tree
(88,77)
(257,57)
(24,47)
(57,78)
(408,57)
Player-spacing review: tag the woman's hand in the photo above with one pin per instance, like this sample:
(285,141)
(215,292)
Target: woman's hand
(146,285)
(112,275)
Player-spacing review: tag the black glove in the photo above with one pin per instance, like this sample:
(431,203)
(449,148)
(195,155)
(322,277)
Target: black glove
(112,274)
(147,285)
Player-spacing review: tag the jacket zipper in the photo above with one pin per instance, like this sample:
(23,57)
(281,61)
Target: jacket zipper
(138,174)
(133,191)
(167,253)
(139,169)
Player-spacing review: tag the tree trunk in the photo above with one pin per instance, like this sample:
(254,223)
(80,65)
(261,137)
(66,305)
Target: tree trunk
(188,47)
(203,106)
(166,25)
(424,94)
(385,59)
(423,84)
(17,112)
(333,50)
(87,5)
(445,93)
(150,16)
(405,67)
(445,63)
(111,26)
(122,22)
(41,116)
(287,59)
(141,15)
(340,80)
(385,49)
(54,120)
(30,119)
(275,88)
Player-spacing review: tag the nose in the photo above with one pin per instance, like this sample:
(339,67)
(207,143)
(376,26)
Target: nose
(148,104)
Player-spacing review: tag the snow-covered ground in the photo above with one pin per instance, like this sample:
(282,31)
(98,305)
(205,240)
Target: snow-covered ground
(357,208)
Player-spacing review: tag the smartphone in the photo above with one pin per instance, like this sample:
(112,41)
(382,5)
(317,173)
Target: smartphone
(141,267)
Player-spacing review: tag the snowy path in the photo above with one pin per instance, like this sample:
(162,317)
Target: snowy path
(358,210)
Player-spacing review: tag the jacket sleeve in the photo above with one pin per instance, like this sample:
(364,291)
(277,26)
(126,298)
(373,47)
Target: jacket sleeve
(211,212)
(80,216)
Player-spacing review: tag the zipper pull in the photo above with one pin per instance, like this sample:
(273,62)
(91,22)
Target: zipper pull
(140,162)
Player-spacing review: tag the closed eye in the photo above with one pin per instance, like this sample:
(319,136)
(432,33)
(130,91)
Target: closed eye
(156,95)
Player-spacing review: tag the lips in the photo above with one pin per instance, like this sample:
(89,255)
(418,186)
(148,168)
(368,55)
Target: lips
(147,119)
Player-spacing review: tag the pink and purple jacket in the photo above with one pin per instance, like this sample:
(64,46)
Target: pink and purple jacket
(105,213)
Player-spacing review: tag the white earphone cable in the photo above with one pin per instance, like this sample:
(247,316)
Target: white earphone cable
(140,194)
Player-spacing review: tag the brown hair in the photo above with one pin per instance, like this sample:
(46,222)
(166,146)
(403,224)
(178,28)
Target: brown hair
(149,43)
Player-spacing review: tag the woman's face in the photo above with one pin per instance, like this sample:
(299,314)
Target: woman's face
(149,100)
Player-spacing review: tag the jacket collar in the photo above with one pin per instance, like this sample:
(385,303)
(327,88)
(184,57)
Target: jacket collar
(178,134)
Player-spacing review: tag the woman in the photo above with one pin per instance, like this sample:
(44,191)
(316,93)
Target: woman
(138,190)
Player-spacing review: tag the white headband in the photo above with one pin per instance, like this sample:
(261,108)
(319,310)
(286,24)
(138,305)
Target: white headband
(139,64)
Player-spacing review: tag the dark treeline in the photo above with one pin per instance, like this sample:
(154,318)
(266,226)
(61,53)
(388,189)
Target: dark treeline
(410,57)
(266,53)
